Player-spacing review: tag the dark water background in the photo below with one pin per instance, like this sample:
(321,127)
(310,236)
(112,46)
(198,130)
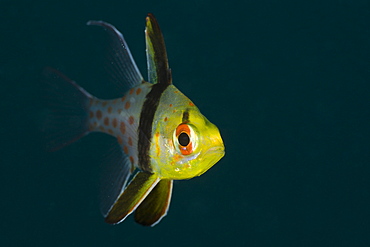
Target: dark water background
(287,83)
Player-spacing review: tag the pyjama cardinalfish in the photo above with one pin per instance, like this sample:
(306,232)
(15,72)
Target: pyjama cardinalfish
(161,135)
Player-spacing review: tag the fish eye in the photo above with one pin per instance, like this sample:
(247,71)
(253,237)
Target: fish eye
(184,139)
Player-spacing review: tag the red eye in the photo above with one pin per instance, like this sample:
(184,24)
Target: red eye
(183,138)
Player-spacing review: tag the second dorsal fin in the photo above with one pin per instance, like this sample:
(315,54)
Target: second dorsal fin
(121,65)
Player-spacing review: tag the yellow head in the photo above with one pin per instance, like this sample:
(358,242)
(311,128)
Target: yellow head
(184,143)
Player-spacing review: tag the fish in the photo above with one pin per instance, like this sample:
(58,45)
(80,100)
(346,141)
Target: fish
(159,134)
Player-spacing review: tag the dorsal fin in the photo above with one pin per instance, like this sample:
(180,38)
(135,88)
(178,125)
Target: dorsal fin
(121,65)
(158,69)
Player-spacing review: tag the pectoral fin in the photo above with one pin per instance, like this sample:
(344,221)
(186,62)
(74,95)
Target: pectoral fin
(140,186)
(155,205)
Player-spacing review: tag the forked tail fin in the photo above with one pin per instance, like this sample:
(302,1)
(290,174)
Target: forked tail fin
(68,109)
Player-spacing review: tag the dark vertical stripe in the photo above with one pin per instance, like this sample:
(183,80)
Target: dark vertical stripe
(185,116)
(158,56)
(145,126)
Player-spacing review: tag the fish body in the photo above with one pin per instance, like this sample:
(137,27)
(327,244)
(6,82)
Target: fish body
(159,132)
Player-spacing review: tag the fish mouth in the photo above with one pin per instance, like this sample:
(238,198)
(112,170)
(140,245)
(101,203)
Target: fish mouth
(212,156)
(218,153)
(216,150)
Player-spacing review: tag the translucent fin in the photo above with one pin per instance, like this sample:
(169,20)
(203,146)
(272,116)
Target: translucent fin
(68,106)
(139,187)
(158,69)
(121,65)
(117,170)
(155,205)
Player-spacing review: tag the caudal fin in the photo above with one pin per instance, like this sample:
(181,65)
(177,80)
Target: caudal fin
(68,109)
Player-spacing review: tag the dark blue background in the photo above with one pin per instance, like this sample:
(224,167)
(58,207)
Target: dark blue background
(287,84)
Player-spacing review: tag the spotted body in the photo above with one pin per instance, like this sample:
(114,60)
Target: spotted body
(158,130)
(120,118)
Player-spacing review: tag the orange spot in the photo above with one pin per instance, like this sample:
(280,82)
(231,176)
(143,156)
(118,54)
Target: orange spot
(157,147)
(91,114)
(131,120)
(132,91)
(123,98)
(158,151)
(110,109)
(122,127)
(101,128)
(110,131)
(138,91)
(165,119)
(127,105)
(104,103)
(129,141)
(114,122)
(98,114)
(191,104)
(125,149)
(174,111)
(119,111)
(119,139)
(176,91)
(170,105)
(132,159)
(106,121)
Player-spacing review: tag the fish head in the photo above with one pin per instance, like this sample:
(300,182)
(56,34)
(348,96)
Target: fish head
(185,143)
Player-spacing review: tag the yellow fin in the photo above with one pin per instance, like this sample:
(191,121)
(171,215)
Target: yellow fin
(155,205)
(139,187)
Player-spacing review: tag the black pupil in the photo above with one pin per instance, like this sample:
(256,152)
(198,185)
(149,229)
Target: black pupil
(184,139)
